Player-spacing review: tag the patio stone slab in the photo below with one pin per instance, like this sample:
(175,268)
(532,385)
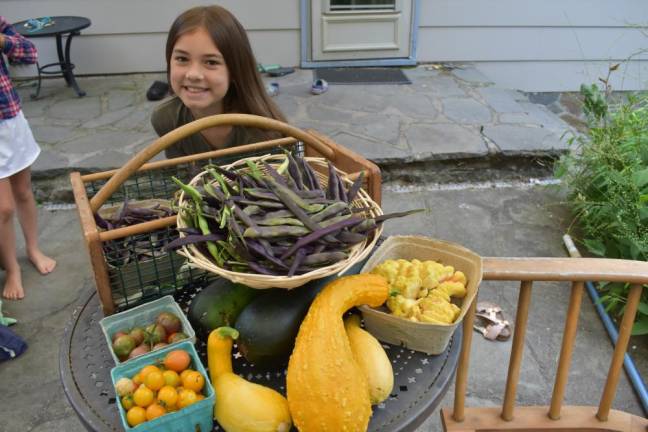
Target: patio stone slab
(118,99)
(444,86)
(84,108)
(512,139)
(443,141)
(109,118)
(414,105)
(373,150)
(545,117)
(379,127)
(466,111)
(100,141)
(471,75)
(52,134)
(502,100)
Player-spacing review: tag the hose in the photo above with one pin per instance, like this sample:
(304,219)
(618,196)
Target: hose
(636,380)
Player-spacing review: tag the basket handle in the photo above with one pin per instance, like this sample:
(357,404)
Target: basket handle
(184,131)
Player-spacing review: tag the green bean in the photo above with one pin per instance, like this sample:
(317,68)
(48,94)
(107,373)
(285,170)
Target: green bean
(316,235)
(254,172)
(276,231)
(211,246)
(295,172)
(261,194)
(252,210)
(355,187)
(279,213)
(336,219)
(311,175)
(324,257)
(289,197)
(280,221)
(363,226)
(333,189)
(221,181)
(189,190)
(261,203)
(299,257)
(331,210)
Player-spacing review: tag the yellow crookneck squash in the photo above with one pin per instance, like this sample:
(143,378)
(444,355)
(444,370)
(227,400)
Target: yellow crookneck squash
(242,406)
(327,390)
(372,359)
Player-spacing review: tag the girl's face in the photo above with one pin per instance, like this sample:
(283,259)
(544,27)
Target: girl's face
(198,73)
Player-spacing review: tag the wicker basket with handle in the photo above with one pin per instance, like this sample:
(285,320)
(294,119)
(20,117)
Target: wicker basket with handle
(263,281)
(140,180)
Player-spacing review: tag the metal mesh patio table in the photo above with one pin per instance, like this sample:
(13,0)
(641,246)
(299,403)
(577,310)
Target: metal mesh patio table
(420,381)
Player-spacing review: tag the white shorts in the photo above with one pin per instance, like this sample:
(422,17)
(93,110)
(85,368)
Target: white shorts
(18,148)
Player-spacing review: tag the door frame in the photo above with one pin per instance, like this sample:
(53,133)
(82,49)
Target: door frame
(306,52)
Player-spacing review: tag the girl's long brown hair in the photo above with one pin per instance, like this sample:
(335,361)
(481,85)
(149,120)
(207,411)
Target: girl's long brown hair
(246,93)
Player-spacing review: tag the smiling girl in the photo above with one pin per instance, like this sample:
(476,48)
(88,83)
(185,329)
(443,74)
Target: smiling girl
(211,70)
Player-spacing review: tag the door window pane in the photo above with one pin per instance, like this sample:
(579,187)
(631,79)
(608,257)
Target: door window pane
(360,5)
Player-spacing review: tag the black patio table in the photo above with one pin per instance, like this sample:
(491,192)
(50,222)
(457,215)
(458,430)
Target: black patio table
(61,25)
(420,380)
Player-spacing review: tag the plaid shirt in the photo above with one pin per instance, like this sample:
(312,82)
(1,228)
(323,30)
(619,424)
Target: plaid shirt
(19,51)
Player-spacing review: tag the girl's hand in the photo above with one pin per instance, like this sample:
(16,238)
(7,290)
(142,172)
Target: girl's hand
(2,41)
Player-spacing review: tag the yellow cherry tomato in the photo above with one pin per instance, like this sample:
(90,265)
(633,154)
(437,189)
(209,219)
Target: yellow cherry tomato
(127,402)
(193,381)
(167,397)
(147,370)
(186,398)
(137,379)
(154,411)
(143,396)
(135,416)
(184,373)
(171,378)
(154,380)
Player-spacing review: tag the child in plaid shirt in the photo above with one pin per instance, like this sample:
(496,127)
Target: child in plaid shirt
(18,151)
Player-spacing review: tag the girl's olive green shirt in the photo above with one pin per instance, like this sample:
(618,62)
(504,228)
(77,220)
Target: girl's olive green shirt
(172,113)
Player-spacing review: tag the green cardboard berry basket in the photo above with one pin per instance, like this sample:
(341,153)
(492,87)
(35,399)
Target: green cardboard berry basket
(199,414)
(142,316)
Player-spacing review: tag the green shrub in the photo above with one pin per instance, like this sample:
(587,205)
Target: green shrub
(606,174)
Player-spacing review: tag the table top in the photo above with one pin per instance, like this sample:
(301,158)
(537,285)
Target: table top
(61,25)
(420,381)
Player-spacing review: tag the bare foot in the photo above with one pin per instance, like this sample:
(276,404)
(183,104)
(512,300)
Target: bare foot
(13,289)
(43,263)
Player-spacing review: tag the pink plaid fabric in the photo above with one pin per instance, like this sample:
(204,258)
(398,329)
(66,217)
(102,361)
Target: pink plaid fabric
(19,51)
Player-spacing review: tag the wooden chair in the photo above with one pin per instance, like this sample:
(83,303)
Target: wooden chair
(554,417)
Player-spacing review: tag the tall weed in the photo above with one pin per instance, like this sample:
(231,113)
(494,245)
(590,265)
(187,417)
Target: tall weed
(606,174)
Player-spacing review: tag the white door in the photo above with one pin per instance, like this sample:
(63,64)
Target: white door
(360,29)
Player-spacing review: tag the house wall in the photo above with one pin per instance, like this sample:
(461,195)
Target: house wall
(539,45)
(548,45)
(129,35)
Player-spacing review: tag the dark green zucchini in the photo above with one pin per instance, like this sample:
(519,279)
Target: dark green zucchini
(269,325)
(218,305)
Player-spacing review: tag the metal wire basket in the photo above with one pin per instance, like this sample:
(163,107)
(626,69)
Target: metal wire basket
(122,284)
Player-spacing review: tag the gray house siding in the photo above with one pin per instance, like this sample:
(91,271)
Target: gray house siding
(539,45)
(129,35)
(526,44)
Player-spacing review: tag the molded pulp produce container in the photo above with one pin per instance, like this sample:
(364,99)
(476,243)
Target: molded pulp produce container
(425,337)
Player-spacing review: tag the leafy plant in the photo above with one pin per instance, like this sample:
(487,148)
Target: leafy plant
(606,174)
